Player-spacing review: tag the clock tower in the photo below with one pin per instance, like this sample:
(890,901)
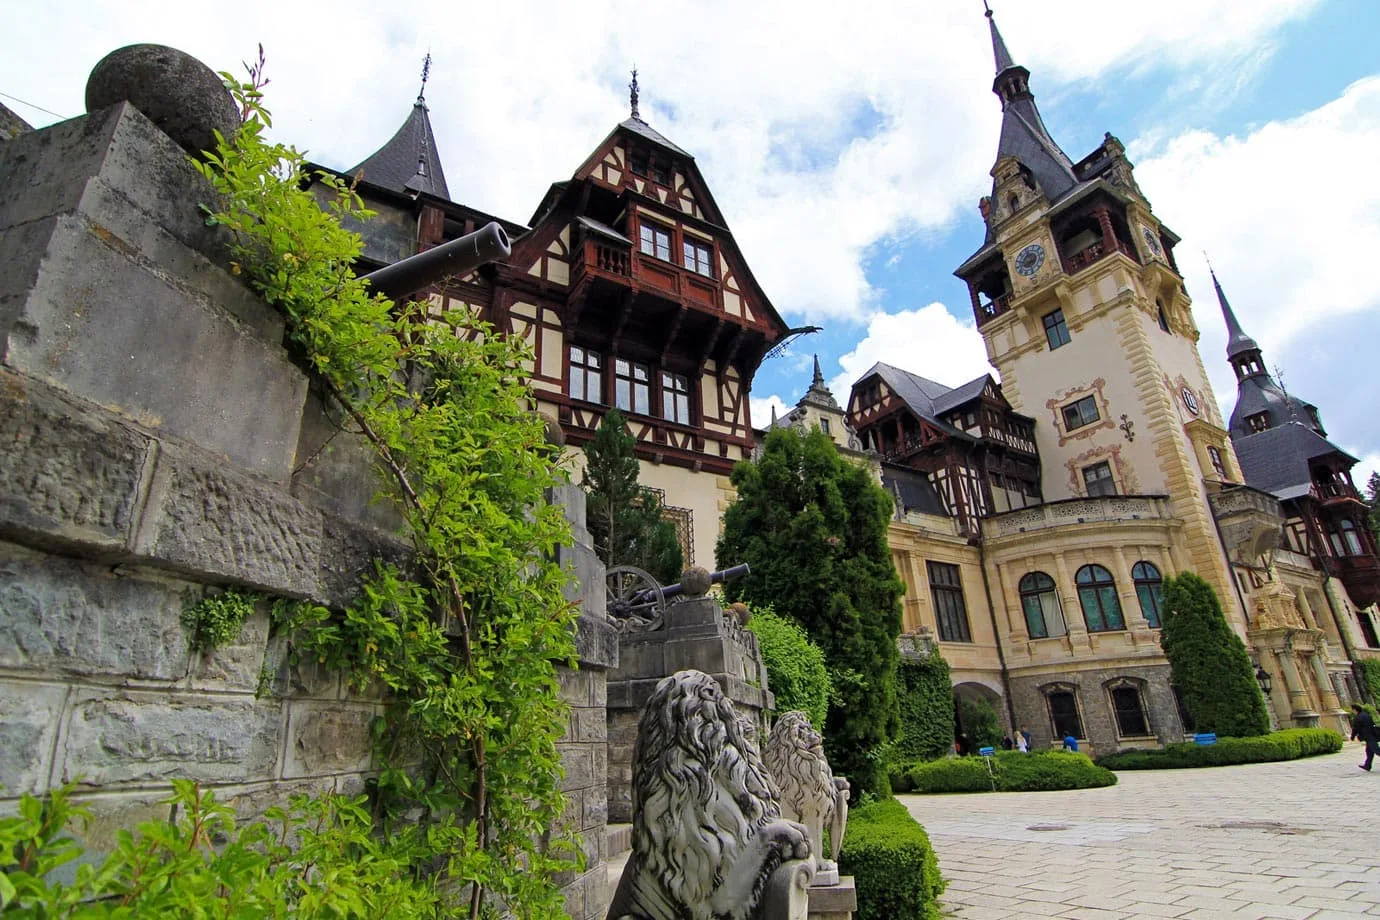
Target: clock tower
(1079,300)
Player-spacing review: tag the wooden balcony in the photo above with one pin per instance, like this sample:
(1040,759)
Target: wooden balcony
(1361,575)
(1333,493)
(603,259)
(1094,253)
(992,309)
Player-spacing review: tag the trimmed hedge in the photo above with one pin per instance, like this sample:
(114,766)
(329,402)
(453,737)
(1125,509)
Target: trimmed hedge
(890,858)
(1012,771)
(1289,744)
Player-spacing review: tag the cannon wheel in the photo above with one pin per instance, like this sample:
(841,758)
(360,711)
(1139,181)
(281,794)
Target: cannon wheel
(633,593)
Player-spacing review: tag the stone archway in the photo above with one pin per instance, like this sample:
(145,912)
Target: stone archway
(979,717)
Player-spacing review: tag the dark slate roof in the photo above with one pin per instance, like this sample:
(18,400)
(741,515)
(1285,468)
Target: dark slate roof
(602,229)
(1259,393)
(923,395)
(913,490)
(409,162)
(642,129)
(1276,460)
(962,394)
(1237,340)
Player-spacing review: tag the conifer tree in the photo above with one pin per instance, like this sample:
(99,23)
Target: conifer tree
(1211,667)
(813,527)
(1373,500)
(625,519)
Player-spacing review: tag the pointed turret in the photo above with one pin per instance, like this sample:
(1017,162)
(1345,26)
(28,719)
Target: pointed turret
(1023,132)
(1238,343)
(819,394)
(409,162)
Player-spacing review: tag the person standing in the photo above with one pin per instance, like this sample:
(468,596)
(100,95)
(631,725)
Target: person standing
(1363,730)
(1071,744)
(1023,740)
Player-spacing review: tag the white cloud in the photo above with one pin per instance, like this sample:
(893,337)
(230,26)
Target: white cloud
(762,407)
(928,341)
(821,133)
(1368,465)
(1291,226)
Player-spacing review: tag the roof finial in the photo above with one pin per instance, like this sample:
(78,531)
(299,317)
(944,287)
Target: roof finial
(999,52)
(819,375)
(1238,342)
(632,94)
(987,10)
(426,72)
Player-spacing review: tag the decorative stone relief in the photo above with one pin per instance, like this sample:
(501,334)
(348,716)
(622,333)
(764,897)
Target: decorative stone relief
(810,793)
(709,841)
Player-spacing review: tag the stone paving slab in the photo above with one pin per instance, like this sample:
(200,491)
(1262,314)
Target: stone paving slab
(1296,841)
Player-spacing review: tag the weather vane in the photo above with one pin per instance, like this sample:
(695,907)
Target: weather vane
(632,93)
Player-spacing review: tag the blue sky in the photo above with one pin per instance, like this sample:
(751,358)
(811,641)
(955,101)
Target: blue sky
(848,151)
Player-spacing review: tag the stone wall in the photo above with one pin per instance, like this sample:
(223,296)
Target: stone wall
(1095,706)
(159,444)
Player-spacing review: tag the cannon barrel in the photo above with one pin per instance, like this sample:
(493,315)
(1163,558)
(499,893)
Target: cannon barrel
(458,257)
(677,589)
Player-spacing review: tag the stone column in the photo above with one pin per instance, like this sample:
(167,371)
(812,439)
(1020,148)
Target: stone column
(1299,703)
(1305,609)
(1130,602)
(1073,610)
(1326,692)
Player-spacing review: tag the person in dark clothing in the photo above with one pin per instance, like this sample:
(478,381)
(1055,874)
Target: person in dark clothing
(1363,729)
(1006,744)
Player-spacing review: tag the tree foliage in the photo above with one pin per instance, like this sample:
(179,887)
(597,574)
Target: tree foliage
(980,722)
(796,672)
(1369,669)
(624,519)
(467,641)
(926,698)
(1210,665)
(813,527)
(1373,500)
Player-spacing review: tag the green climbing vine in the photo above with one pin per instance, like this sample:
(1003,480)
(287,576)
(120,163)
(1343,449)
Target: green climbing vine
(216,619)
(466,641)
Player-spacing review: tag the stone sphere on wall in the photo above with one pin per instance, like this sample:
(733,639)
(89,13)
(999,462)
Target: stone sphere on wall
(175,91)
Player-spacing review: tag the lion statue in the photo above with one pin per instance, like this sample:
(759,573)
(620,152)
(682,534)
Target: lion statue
(708,837)
(810,793)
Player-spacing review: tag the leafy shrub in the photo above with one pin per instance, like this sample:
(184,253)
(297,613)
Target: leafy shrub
(1209,661)
(926,697)
(1012,771)
(889,855)
(979,723)
(202,865)
(1289,744)
(795,665)
(216,619)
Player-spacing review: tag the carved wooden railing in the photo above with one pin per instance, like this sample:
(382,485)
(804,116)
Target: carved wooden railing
(992,309)
(1081,260)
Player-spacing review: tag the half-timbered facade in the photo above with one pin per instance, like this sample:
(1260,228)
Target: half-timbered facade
(630,290)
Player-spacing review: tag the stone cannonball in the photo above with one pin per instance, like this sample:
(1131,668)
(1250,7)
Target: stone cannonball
(695,581)
(175,91)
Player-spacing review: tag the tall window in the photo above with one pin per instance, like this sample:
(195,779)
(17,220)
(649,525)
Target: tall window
(1164,320)
(1097,479)
(632,389)
(1129,710)
(699,258)
(1218,463)
(1080,413)
(949,609)
(656,241)
(1063,712)
(1041,606)
(1148,581)
(1056,330)
(1345,540)
(1097,595)
(675,398)
(586,375)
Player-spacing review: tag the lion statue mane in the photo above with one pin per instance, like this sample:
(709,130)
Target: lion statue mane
(707,828)
(810,793)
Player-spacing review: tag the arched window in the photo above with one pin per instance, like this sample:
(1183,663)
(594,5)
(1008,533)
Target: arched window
(1062,700)
(1097,594)
(1041,605)
(1129,708)
(1148,581)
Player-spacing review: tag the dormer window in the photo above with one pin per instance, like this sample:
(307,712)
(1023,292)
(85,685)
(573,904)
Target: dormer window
(645,165)
(1259,422)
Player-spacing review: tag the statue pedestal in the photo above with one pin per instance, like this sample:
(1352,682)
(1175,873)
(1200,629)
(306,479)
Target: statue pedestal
(833,902)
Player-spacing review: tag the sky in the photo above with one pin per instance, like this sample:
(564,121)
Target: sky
(848,145)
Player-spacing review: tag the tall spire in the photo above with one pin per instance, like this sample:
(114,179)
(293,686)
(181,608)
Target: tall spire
(999,52)
(632,94)
(1238,343)
(426,72)
(818,380)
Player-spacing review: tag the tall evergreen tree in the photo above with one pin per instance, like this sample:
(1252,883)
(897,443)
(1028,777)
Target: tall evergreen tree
(625,519)
(813,527)
(1211,667)
(1373,500)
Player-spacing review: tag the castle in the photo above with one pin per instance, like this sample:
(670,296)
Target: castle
(1037,511)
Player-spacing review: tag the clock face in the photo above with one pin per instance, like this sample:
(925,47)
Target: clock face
(1150,240)
(1029,259)
(1190,401)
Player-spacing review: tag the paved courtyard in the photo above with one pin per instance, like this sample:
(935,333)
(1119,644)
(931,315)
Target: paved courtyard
(1295,840)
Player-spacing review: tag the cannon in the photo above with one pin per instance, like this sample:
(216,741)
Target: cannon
(635,596)
(458,257)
